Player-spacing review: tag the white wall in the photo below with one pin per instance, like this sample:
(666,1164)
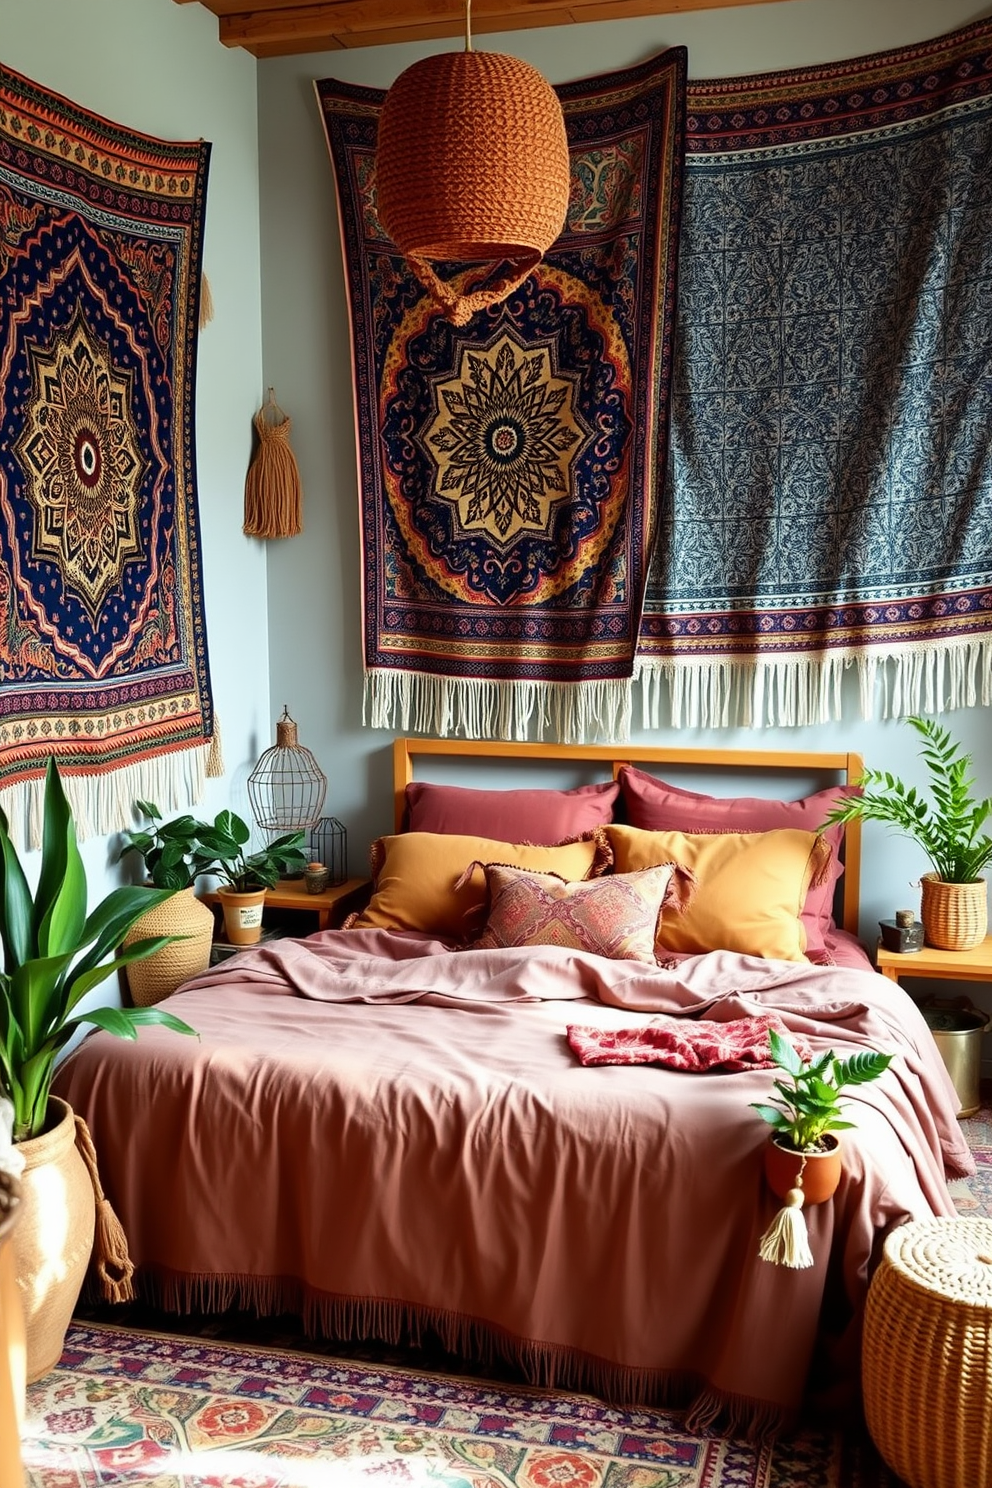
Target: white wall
(158,68)
(314,620)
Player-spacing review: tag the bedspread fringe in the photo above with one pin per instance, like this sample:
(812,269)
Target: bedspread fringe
(400,1324)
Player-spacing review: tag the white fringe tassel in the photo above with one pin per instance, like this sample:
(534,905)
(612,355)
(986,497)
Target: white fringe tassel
(934,677)
(786,1240)
(569,712)
(104,803)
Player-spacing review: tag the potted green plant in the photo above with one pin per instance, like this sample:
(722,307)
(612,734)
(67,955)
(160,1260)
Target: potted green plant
(54,953)
(802,1158)
(174,858)
(244,876)
(949,829)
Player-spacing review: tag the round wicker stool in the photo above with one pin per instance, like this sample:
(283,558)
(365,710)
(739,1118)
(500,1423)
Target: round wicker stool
(927,1353)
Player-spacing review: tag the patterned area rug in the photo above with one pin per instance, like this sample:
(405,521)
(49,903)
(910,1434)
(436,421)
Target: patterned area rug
(125,1406)
(252,1403)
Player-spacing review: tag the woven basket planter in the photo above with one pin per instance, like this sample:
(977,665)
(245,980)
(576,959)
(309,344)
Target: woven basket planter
(158,976)
(54,1236)
(954,915)
(927,1353)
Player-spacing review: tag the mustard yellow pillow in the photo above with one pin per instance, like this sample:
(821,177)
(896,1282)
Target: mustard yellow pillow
(417,877)
(750,886)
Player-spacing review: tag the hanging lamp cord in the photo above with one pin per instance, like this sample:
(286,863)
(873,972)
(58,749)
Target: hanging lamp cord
(468,25)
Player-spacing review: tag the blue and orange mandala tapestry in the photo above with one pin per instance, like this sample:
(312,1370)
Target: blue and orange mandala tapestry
(103,653)
(510,469)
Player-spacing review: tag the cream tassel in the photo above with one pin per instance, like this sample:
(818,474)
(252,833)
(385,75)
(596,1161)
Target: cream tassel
(206,303)
(273,497)
(786,1240)
(114,1266)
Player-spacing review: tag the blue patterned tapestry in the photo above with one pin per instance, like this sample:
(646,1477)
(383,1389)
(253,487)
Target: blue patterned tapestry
(103,650)
(830,502)
(510,469)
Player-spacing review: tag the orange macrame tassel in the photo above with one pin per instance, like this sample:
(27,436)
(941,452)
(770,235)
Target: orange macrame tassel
(113,1264)
(273,496)
(206,303)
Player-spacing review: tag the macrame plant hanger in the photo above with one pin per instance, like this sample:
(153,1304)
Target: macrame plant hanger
(273,496)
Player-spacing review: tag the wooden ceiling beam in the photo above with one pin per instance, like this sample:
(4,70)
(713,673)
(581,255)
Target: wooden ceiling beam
(280,27)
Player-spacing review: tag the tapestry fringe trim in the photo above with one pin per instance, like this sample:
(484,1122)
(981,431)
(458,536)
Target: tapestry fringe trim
(103,802)
(446,707)
(546,1366)
(790,692)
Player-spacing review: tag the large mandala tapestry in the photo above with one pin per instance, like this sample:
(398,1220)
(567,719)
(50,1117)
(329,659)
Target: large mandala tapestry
(103,656)
(831,499)
(510,469)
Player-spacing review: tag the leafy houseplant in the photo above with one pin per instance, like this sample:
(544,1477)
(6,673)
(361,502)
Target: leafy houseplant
(948,828)
(808,1107)
(802,1157)
(244,872)
(54,954)
(173,853)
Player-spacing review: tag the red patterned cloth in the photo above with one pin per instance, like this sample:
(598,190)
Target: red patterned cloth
(693,1044)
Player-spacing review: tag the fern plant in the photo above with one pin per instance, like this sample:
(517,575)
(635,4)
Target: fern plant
(809,1105)
(949,826)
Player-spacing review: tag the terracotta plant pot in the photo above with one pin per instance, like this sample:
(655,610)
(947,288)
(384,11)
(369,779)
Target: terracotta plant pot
(955,915)
(821,1172)
(242,916)
(158,976)
(54,1236)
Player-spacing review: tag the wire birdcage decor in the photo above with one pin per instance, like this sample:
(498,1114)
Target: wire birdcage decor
(287,786)
(329,845)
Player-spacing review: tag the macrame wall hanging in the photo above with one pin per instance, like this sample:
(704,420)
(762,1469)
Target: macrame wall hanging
(273,495)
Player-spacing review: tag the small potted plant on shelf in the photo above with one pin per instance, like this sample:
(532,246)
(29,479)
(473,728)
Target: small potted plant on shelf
(54,954)
(244,876)
(954,896)
(802,1157)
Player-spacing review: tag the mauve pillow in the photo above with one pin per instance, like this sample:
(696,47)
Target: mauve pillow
(656,806)
(544,817)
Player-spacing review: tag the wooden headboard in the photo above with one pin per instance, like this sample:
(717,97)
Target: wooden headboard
(844,766)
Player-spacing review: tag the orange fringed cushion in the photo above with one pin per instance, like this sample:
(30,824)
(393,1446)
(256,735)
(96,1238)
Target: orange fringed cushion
(750,890)
(421,884)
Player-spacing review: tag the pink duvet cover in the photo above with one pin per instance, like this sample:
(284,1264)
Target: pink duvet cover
(388,1136)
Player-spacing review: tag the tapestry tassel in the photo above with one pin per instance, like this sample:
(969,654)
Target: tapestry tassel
(215,756)
(114,1266)
(206,302)
(273,497)
(786,1241)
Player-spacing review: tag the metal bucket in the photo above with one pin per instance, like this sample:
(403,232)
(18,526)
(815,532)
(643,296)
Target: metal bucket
(957,1032)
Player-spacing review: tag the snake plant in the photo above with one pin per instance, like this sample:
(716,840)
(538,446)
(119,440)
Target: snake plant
(54,953)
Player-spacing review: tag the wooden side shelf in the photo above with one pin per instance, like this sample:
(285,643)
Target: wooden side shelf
(331,906)
(953,966)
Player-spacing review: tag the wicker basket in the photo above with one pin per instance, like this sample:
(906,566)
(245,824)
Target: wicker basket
(927,1353)
(472,164)
(955,915)
(158,975)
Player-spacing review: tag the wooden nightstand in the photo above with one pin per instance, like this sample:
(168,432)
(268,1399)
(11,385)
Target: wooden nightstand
(952,966)
(331,907)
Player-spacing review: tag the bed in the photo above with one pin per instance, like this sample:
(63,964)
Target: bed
(388,1130)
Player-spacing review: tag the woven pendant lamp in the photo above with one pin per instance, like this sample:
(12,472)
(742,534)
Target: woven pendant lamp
(472,166)
(287,786)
